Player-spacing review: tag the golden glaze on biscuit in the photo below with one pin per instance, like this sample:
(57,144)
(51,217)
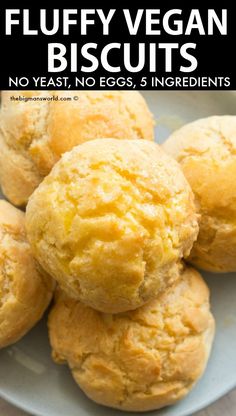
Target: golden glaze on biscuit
(35,134)
(25,290)
(206,151)
(139,360)
(110,222)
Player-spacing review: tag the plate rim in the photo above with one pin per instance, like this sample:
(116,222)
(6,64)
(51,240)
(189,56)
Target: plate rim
(32,412)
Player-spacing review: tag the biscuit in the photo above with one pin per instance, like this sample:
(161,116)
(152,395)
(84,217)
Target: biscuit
(34,134)
(25,290)
(138,360)
(206,151)
(110,222)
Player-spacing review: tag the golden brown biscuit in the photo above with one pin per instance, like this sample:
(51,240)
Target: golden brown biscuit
(35,134)
(206,150)
(139,360)
(111,220)
(25,290)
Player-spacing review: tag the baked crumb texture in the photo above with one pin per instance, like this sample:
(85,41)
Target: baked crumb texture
(34,134)
(111,222)
(206,151)
(25,290)
(139,360)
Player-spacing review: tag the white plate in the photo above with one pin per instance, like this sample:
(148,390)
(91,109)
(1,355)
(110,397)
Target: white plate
(28,377)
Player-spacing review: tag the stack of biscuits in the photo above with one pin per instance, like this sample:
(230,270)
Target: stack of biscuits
(111,217)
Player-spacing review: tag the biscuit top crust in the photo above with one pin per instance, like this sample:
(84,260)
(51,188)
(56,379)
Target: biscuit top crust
(142,359)
(110,220)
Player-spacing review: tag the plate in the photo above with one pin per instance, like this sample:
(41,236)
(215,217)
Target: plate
(28,377)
